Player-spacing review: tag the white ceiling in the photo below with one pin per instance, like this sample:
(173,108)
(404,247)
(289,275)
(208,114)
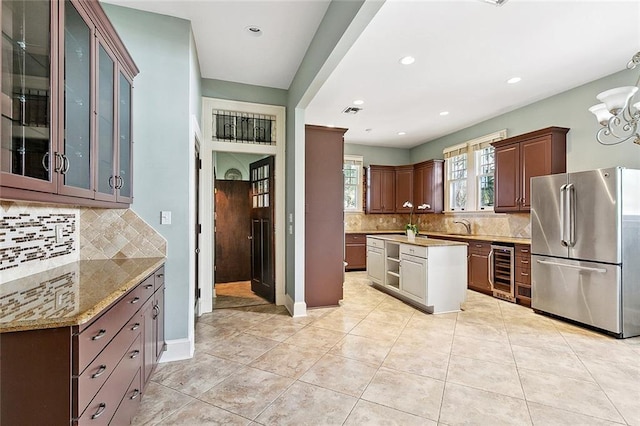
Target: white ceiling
(465,51)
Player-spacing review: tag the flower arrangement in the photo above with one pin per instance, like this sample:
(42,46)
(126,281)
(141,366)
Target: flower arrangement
(412,226)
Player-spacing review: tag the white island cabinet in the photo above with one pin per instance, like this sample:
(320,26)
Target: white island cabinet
(426,272)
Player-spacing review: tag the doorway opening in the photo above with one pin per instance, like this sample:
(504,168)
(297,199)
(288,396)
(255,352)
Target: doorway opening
(244,230)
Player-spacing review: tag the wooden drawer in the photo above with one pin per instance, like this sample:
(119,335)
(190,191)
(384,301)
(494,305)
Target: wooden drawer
(92,340)
(103,407)
(374,242)
(130,403)
(97,373)
(479,247)
(159,278)
(146,288)
(412,250)
(355,239)
(523,250)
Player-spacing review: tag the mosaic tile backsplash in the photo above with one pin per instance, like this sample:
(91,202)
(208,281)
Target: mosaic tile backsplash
(34,238)
(28,243)
(503,225)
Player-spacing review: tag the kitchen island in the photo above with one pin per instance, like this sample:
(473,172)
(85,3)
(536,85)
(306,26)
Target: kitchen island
(427,272)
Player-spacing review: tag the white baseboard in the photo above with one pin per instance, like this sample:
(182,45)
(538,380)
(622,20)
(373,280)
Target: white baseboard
(296,309)
(178,349)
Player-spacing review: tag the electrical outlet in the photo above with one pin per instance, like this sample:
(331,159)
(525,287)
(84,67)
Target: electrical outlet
(165,218)
(394,220)
(59,299)
(380,220)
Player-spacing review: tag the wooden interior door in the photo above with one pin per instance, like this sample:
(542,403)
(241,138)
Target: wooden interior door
(232,230)
(262,198)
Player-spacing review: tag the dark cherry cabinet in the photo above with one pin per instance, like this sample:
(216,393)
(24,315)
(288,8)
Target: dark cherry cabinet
(355,251)
(94,373)
(324,215)
(523,274)
(66,105)
(520,158)
(478,266)
(428,186)
(404,188)
(381,189)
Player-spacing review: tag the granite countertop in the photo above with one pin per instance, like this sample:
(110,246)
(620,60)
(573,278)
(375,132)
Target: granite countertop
(420,241)
(513,240)
(69,295)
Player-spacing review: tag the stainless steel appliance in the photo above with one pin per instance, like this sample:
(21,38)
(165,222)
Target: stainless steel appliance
(585,245)
(501,272)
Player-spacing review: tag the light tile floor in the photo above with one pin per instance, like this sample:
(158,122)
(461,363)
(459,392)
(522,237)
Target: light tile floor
(378,361)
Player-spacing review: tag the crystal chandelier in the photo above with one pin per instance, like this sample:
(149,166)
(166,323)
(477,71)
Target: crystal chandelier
(617,113)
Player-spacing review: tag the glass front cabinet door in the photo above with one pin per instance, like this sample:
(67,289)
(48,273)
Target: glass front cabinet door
(66,104)
(28,93)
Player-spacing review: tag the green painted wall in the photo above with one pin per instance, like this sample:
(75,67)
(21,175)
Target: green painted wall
(228,90)
(568,109)
(161,47)
(379,155)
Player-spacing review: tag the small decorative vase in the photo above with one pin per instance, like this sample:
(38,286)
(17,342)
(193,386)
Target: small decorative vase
(411,235)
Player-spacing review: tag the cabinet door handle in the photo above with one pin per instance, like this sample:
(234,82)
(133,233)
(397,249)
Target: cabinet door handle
(100,410)
(136,393)
(156,311)
(135,326)
(66,163)
(135,300)
(45,161)
(100,334)
(148,286)
(120,182)
(100,372)
(135,354)
(58,165)
(111,182)
(160,275)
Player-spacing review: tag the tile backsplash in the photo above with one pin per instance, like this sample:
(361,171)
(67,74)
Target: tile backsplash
(36,237)
(502,225)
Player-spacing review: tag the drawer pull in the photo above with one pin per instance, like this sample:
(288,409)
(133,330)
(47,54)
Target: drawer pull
(479,245)
(136,393)
(160,275)
(522,273)
(135,326)
(526,262)
(148,286)
(100,410)
(524,250)
(135,300)
(100,372)
(100,334)
(135,354)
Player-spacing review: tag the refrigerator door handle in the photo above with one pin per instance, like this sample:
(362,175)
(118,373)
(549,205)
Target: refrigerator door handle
(581,268)
(563,221)
(571,195)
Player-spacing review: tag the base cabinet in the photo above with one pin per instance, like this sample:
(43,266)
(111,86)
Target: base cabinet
(375,260)
(90,374)
(479,266)
(355,251)
(523,274)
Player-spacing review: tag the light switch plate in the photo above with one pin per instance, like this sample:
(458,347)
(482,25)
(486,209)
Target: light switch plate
(165,218)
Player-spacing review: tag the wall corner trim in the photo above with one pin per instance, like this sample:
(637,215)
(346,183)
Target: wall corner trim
(296,309)
(177,350)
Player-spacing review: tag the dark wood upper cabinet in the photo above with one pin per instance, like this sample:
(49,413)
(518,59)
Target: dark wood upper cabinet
(404,188)
(522,157)
(381,189)
(428,186)
(66,105)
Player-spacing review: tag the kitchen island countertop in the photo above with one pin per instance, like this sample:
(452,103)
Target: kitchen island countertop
(434,234)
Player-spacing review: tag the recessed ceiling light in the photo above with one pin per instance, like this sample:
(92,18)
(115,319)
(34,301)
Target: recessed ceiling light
(358,102)
(254,30)
(368,130)
(514,80)
(443,113)
(407,60)
(402,133)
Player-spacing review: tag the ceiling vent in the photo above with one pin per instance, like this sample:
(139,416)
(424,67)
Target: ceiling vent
(352,110)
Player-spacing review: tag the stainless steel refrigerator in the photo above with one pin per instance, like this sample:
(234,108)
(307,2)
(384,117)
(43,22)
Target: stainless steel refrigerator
(585,246)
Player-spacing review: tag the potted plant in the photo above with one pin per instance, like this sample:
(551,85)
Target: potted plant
(412,228)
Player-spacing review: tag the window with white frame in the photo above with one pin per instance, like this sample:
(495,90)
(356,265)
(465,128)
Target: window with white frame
(352,169)
(469,174)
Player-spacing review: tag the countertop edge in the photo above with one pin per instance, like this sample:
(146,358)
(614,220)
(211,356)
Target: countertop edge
(88,314)
(444,235)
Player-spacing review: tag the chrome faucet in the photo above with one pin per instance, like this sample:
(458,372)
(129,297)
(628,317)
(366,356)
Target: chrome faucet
(466,223)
